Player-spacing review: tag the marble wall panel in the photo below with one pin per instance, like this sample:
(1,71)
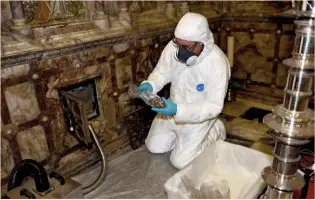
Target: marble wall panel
(123,72)
(282,72)
(239,72)
(286,46)
(144,66)
(125,104)
(15,71)
(109,109)
(105,83)
(107,122)
(288,27)
(263,75)
(240,40)
(250,60)
(7,162)
(265,44)
(22,102)
(61,139)
(32,143)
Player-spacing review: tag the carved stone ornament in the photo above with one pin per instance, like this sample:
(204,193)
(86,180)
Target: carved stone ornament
(9,131)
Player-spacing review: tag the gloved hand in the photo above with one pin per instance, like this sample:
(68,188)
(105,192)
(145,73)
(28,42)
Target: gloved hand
(145,87)
(170,108)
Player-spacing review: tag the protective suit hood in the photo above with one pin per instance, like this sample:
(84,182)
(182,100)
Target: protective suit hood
(195,27)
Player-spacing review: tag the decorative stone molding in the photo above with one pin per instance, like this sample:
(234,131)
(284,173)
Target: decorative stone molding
(34,75)
(48,54)
(44,118)
(9,131)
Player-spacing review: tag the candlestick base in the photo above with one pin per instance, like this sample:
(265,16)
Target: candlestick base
(231,94)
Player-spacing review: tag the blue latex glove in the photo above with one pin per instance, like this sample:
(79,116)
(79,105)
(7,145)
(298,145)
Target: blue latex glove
(145,87)
(170,108)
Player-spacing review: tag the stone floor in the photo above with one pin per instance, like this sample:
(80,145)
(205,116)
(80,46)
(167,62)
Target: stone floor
(243,123)
(139,174)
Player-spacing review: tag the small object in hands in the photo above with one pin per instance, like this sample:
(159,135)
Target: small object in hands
(156,102)
(148,97)
(169,109)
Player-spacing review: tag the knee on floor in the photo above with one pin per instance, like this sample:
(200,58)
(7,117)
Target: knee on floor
(155,148)
(178,163)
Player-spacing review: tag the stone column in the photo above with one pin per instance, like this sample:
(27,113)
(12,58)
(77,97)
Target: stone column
(90,5)
(124,15)
(18,16)
(170,10)
(17,13)
(112,9)
(160,6)
(100,18)
(184,8)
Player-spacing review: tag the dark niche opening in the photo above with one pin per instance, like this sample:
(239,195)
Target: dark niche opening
(86,92)
(79,103)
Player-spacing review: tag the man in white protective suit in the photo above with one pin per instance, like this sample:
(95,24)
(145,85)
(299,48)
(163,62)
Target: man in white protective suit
(199,73)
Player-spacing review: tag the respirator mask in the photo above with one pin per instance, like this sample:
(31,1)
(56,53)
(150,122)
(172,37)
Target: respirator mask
(185,54)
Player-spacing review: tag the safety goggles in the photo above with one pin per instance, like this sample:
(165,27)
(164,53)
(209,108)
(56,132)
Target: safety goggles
(189,48)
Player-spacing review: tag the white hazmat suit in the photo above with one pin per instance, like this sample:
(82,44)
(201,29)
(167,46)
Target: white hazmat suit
(198,90)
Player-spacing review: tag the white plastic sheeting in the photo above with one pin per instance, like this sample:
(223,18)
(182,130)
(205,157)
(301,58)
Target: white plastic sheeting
(221,163)
(134,175)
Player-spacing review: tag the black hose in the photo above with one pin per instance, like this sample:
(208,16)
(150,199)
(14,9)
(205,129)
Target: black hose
(32,168)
